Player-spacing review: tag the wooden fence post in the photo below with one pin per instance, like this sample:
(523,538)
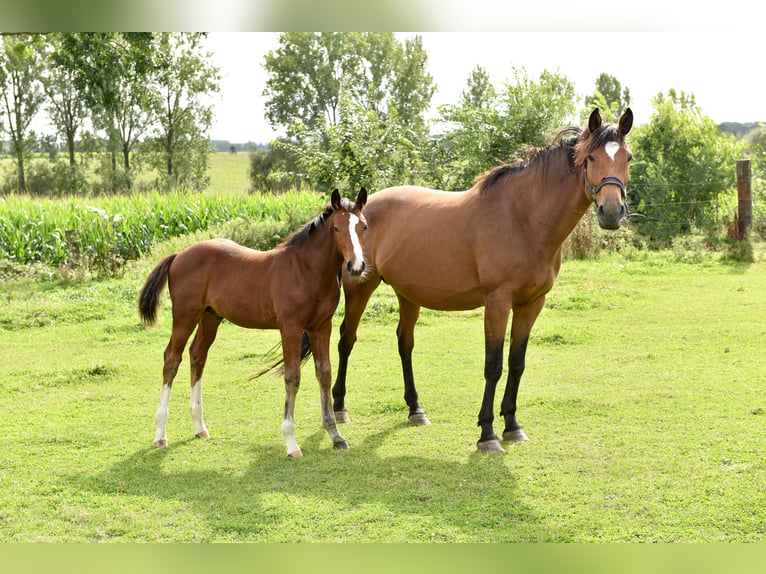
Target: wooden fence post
(745,212)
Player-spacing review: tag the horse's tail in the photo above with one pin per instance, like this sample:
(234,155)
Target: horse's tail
(149,299)
(275,358)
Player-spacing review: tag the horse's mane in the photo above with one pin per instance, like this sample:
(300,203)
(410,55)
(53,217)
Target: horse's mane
(303,234)
(578,143)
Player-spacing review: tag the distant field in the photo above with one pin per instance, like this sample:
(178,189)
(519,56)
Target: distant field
(228,172)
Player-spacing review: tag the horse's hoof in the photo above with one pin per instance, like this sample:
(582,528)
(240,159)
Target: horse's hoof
(340,445)
(490,446)
(342,416)
(419,419)
(203,434)
(161,443)
(295,454)
(515,436)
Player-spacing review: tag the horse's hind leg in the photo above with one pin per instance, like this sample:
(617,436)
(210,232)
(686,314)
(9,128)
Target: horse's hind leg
(320,348)
(291,348)
(405,333)
(203,339)
(182,329)
(357,294)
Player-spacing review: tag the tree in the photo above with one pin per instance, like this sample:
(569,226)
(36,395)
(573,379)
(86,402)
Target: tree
(179,144)
(524,112)
(113,73)
(479,92)
(22,93)
(66,109)
(336,94)
(684,162)
(609,97)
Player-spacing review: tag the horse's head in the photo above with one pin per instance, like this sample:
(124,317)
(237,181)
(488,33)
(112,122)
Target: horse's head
(348,225)
(605,167)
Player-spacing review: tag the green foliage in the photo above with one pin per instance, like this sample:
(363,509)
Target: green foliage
(352,105)
(609,97)
(105,233)
(362,149)
(683,165)
(523,112)
(274,170)
(179,147)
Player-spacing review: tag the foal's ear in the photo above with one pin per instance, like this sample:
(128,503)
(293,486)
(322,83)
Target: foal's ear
(594,122)
(335,199)
(626,122)
(361,198)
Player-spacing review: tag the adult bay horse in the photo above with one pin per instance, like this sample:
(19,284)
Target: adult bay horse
(497,244)
(294,288)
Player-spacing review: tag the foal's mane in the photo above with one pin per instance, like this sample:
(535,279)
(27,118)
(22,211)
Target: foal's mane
(301,236)
(578,143)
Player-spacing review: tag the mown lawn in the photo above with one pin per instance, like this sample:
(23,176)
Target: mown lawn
(643,399)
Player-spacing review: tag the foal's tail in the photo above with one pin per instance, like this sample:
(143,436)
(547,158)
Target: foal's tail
(276,359)
(149,299)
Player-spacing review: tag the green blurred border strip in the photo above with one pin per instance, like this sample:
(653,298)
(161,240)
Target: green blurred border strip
(384,558)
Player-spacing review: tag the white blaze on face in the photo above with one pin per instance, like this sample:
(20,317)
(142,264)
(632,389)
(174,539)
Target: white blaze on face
(358,257)
(611,149)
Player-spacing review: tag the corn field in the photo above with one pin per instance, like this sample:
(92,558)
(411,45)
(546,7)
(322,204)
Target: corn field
(116,229)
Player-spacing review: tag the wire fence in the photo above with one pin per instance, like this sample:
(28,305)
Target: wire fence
(675,210)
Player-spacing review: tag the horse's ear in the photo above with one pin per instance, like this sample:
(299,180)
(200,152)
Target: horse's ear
(335,199)
(361,199)
(626,122)
(594,122)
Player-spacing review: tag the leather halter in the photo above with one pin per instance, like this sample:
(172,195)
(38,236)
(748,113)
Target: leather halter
(608,180)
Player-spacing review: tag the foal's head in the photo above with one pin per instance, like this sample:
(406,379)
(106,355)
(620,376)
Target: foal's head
(602,152)
(348,226)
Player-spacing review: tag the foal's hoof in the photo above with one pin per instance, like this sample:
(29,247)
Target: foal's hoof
(515,436)
(342,416)
(203,434)
(295,454)
(419,419)
(343,445)
(161,443)
(490,446)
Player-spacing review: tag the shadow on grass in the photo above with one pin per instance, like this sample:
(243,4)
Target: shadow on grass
(356,495)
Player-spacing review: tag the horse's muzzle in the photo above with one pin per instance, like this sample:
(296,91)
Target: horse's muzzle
(354,270)
(611,219)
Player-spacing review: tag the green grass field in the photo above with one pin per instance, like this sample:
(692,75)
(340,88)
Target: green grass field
(643,399)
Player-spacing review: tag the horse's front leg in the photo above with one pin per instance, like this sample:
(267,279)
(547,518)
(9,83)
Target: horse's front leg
(523,320)
(291,349)
(495,323)
(320,348)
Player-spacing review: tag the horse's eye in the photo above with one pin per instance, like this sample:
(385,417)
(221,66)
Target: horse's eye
(630,157)
(335,227)
(591,158)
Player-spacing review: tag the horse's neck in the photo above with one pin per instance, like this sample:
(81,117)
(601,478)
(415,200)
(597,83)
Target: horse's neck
(549,202)
(318,258)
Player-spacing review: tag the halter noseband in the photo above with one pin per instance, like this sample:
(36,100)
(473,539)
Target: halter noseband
(609,179)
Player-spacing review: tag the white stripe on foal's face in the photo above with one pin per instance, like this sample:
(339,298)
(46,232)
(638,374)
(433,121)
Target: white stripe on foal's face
(611,149)
(358,257)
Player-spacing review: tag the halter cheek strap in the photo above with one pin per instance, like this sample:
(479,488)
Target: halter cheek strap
(608,180)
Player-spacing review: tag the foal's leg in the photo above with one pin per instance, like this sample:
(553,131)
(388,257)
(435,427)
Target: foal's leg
(495,323)
(523,319)
(405,333)
(206,332)
(291,347)
(356,293)
(182,329)
(320,348)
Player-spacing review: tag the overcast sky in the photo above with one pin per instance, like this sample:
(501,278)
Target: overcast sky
(723,69)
